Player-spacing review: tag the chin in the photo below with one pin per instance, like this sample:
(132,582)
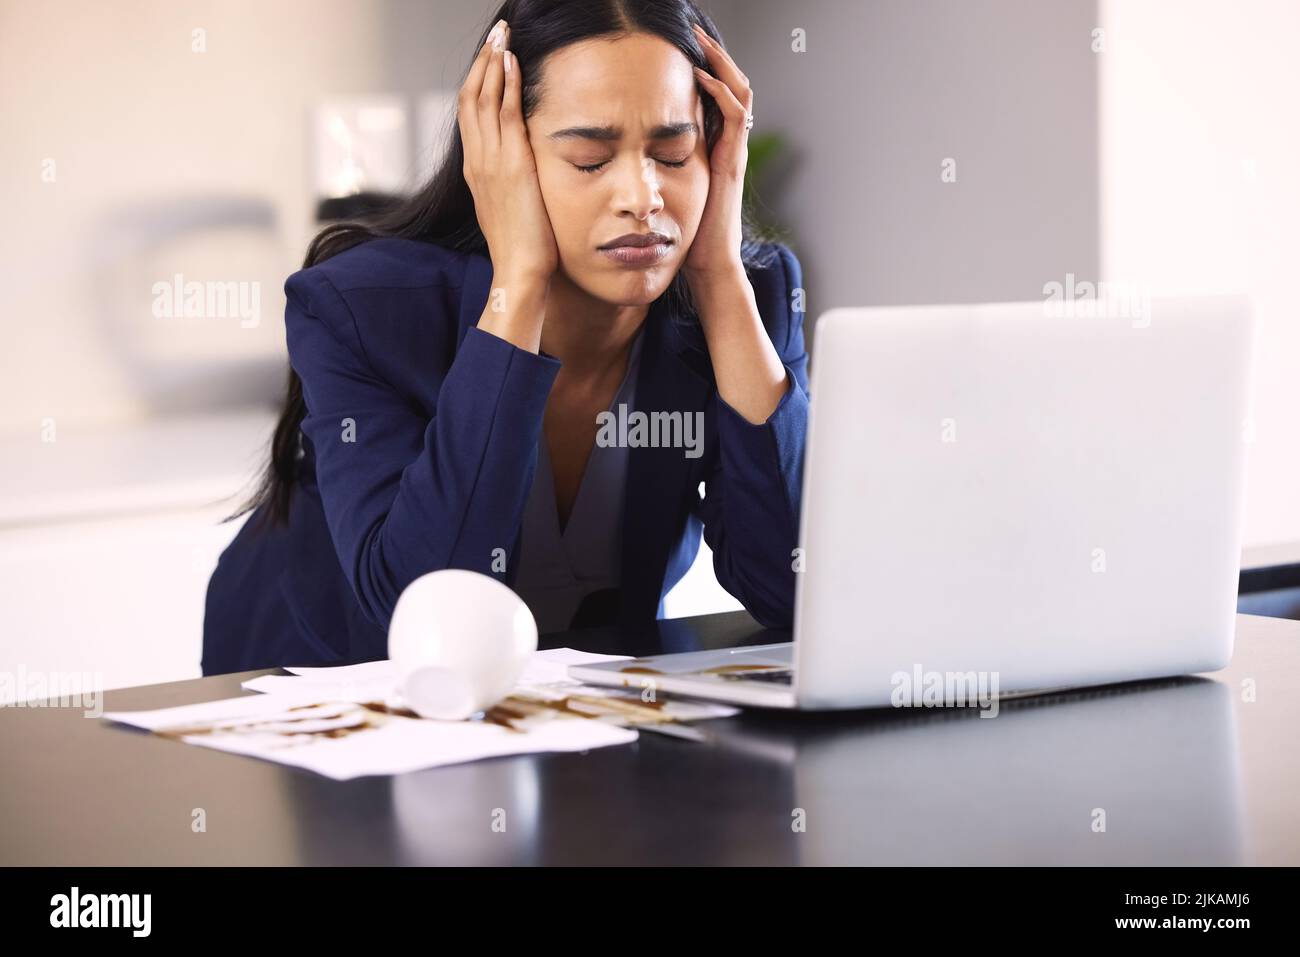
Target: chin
(629,290)
(638,287)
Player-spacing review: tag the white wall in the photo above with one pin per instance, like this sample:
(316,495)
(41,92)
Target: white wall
(108,536)
(1199,193)
(145,134)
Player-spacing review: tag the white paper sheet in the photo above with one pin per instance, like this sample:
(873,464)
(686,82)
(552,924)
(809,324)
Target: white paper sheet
(316,720)
(376,744)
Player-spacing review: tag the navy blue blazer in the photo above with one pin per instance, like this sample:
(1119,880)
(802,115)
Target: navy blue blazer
(420,444)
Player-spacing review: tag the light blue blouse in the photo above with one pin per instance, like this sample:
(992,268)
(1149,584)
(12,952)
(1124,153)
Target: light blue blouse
(557,570)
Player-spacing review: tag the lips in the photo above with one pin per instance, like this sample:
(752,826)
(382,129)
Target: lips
(636,240)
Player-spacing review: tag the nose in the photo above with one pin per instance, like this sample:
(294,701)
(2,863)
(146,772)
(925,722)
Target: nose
(637,190)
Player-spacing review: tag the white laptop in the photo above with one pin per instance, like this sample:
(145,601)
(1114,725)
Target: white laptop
(999,500)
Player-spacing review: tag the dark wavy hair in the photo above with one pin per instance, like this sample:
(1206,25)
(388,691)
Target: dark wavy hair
(442,211)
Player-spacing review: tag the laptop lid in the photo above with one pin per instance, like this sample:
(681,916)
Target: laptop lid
(1035,499)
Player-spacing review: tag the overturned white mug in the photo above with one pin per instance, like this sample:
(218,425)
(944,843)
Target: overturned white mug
(459,640)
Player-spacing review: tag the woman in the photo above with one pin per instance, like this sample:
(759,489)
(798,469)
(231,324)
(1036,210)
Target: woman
(467,370)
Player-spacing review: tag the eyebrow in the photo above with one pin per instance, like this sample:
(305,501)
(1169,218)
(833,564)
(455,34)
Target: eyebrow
(604,133)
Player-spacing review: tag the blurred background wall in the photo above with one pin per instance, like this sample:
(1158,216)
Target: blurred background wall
(150,137)
(146,139)
(1199,136)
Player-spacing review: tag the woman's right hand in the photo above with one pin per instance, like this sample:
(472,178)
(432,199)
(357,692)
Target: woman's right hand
(500,168)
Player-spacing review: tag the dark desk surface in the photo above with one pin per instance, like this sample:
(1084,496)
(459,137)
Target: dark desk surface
(1186,771)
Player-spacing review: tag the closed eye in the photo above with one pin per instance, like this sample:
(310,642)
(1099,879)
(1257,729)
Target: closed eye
(596,166)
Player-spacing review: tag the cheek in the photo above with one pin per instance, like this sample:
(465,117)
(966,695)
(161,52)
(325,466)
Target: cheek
(564,205)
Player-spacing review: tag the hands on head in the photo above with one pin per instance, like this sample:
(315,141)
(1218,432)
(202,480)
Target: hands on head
(500,168)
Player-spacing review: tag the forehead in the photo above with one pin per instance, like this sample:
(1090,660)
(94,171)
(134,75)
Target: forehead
(638,80)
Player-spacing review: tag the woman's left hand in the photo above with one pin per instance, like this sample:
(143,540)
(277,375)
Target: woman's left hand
(716,247)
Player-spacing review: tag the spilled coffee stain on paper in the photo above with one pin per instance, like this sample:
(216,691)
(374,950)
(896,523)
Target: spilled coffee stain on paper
(302,724)
(385,709)
(336,720)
